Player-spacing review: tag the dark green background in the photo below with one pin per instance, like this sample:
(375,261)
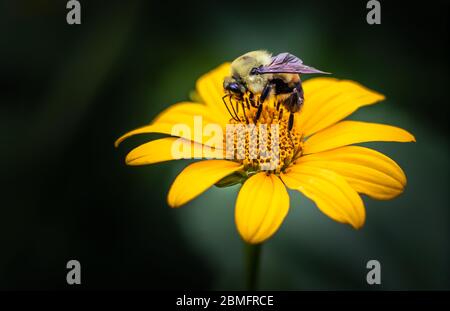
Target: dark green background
(67,92)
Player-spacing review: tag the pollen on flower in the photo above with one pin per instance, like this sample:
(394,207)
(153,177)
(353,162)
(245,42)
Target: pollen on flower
(258,135)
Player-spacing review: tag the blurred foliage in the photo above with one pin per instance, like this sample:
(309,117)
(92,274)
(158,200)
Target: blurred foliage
(67,92)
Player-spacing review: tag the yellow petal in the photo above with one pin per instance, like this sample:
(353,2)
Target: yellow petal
(352,132)
(196,178)
(169,148)
(329,100)
(210,88)
(366,170)
(261,207)
(182,114)
(331,193)
(185,111)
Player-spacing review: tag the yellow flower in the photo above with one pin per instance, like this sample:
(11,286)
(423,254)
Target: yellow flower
(316,157)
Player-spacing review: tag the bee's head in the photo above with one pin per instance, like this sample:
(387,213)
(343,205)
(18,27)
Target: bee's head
(243,69)
(233,85)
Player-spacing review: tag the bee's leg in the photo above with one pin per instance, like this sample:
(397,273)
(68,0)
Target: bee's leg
(290,126)
(291,105)
(243,111)
(247,102)
(294,103)
(265,92)
(291,121)
(299,96)
(229,111)
(235,110)
(251,99)
(280,115)
(258,113)
(278,105)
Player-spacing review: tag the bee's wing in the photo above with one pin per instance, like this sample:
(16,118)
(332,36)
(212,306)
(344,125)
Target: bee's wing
(287,63)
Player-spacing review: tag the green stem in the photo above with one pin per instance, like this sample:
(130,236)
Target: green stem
(252,259)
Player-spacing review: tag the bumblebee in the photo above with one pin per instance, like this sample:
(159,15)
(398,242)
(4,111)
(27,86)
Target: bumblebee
(260,73)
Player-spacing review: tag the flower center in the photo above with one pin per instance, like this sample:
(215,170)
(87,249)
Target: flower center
(258,135)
